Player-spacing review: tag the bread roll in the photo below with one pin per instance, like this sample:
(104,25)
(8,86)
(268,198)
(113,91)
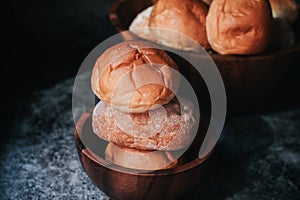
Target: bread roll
(284,9)
(140,25)
(186,17)
(138,159)
(169,129)
(135,76)
(239,26)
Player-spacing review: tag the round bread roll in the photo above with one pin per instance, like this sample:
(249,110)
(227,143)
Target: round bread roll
(138,159)
(140,25)
(167,128)
(135,76)
(239,26)
(285,9)
(186,18)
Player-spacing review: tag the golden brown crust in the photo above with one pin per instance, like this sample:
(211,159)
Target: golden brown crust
(170,131)
(137,159)
(239,26)
(135,76)
(187,17)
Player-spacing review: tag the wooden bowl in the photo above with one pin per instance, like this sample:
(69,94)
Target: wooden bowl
(123,183)
(248,79)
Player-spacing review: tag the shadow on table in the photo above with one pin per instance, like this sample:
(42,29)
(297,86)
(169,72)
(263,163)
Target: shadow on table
(230,170)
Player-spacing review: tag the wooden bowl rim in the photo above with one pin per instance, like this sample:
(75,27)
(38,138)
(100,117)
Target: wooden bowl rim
(109,166)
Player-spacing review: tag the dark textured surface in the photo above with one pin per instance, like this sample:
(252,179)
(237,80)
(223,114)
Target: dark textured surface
(258,156)
(45,42)
(40,159)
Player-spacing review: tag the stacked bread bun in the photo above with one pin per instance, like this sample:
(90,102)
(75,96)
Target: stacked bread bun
(138,114)
(147,77)
(235,27)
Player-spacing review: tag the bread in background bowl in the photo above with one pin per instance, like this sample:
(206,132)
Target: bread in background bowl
(192,23)
(249,79)
(239,27)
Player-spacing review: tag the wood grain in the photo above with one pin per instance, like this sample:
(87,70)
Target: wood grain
(122,183)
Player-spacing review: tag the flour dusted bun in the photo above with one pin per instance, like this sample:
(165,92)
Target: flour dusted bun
(139,159)
(284,9)
(135,76)
(239,26)
(170,128)
(187,17)
(140,25)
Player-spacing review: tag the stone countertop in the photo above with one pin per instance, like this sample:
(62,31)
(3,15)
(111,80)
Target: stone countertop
(257,157)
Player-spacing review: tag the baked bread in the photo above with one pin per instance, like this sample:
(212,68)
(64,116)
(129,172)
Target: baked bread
(239,26)
(140,25)
(135,76)
(169,129)
(139,159)
(186,18)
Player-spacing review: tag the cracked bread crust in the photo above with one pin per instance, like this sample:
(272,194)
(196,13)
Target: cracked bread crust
(238,27)
(135,76)
(186,17)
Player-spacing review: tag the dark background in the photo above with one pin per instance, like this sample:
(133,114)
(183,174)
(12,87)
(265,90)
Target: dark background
(44,42)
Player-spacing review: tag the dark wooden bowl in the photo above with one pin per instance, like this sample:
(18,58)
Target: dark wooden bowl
(122,183)
(248,79)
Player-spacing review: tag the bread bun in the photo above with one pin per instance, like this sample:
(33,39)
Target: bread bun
(140,25)
(138,159)
(170,128)
(286,9)
(239,26)
(135,76)
(187,17)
